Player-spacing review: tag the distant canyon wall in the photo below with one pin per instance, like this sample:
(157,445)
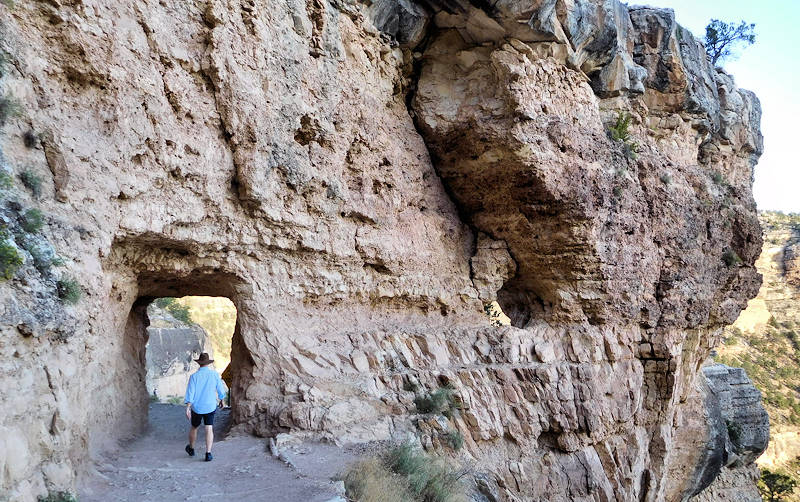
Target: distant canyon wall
(765,339)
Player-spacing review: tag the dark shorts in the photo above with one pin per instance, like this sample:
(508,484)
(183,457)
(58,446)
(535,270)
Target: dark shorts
(207,418)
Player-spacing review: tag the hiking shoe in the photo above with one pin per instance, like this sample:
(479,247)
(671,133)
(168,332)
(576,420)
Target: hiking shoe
(209,458)
(190,450)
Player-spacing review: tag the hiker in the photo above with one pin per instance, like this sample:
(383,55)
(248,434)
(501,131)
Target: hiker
(203,394)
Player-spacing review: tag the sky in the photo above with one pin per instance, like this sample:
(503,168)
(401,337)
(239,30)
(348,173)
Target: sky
(770,69)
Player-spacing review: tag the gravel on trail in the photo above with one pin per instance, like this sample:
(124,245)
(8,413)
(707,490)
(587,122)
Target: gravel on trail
(155,467)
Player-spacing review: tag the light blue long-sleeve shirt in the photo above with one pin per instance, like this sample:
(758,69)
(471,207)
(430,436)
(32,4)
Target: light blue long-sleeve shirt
(204,386)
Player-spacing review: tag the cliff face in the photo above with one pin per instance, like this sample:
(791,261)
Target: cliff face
(360,180)
(172,346)
(764,340)
(217,317)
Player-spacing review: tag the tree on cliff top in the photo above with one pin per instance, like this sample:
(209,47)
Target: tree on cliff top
(721,38)
(775,486)
(178,311)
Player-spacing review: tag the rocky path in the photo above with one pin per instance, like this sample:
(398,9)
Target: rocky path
(155,468)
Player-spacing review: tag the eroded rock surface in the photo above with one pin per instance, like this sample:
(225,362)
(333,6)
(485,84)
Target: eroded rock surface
(359,195)
(738,433)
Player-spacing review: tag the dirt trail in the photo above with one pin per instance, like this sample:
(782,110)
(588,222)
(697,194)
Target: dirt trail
(155,468)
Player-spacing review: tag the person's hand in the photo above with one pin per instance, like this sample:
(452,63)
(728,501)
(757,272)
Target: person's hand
(189,412)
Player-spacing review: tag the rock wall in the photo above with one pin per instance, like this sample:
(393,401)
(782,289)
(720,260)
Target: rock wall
(739,433)
(172,347)
(360,180)
(780,267)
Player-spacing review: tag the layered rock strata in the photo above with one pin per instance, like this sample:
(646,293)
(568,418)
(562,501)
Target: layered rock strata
(360,180)
(739,434)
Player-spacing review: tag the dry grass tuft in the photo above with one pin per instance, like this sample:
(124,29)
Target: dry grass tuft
(370,481)
(404,474)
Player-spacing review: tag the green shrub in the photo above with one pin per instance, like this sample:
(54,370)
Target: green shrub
(424,403)
(32,220)
(774,486)
(666,179)
(175,400)
(180,312)
(734,430)
(69,290)
(619,131)
(780,401)
(631,149)
(6,181)
(10,259)
(164,302)
(455,440)
(370,481)
(441,401)
(793,338)
(731,258)
(177,310)
(9,107)
(717,177)
(429,479)
(410,386)
(59,497)
(31,181)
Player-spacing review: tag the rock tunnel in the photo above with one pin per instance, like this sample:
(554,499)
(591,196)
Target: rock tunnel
(144,287)
(136,337)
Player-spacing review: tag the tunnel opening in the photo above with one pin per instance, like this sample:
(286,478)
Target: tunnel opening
(172,321)
(178,331)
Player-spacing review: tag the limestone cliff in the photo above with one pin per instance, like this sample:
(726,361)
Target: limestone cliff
(360,179)
(217,316)
(172,346)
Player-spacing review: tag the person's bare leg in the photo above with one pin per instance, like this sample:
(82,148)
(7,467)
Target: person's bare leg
(209,437)
(192,436)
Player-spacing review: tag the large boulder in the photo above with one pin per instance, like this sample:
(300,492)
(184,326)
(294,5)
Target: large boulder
(738,433)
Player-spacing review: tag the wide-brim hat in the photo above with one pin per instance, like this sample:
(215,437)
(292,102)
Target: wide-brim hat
(204,359)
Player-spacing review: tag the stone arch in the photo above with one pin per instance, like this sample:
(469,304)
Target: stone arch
(169,273)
